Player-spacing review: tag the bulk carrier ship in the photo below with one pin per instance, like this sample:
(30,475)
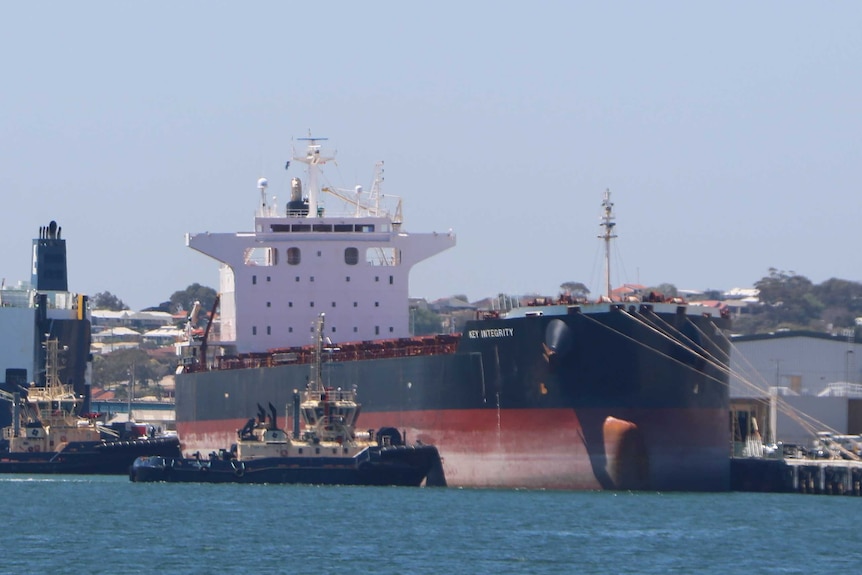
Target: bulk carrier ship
(570,394)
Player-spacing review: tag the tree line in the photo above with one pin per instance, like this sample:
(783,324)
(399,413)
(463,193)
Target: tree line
(181,300)
(787,300)
(792,301)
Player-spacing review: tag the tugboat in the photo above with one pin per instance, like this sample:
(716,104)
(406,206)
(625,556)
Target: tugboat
(49,435)
(324,447)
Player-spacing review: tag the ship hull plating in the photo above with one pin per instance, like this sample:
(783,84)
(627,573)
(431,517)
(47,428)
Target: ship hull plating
(622,398)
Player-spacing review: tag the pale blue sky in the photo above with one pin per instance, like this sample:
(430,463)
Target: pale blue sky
(730,134)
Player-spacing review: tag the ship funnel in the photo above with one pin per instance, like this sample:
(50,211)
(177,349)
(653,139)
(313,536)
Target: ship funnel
(296,206)
(274,422)
(49,271)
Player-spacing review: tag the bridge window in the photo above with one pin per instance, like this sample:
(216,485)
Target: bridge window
(351,256)
(294,256)
(383,256)
(260,256)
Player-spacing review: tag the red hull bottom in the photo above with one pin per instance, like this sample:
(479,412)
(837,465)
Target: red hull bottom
(666,450)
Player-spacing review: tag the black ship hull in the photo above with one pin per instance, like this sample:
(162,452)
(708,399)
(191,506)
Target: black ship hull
(91,458)
(407,466)
(610,397)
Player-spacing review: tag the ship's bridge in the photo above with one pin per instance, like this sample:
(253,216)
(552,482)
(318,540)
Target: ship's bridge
(274,281)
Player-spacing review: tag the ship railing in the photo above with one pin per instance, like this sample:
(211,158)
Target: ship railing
(332,394)
(350,351)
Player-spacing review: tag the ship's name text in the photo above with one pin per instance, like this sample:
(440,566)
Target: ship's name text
(485,333)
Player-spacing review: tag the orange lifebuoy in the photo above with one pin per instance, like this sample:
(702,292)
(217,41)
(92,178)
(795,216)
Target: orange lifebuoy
(63,439)
(284,453)
(37,448)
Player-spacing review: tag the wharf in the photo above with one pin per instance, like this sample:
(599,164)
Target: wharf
(796,475)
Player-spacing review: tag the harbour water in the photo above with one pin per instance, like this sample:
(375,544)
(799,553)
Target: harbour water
(105,524)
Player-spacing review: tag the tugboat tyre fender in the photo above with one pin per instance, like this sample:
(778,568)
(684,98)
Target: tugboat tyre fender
(238,470)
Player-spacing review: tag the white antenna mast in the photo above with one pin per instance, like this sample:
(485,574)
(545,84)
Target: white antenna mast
(313,159)
(607,222)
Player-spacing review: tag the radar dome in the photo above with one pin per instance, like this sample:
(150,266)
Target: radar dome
(262,183)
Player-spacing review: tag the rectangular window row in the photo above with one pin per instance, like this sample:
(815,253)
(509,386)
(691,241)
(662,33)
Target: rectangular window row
(338,228)
(290,329)
(375,256)
(311,279)
(333,304)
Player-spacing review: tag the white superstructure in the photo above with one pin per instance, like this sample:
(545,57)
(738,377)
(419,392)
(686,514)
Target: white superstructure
(354,267)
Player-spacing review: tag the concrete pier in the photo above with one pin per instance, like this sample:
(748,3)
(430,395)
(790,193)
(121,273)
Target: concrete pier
(796,475)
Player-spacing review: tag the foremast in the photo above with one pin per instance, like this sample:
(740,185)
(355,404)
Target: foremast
(608,224)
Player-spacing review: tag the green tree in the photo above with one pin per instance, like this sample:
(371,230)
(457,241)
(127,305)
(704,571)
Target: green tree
(842,301)
(425,322)
(789,298)
(185,299)
(117,367)
(575,289)
(107,300)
